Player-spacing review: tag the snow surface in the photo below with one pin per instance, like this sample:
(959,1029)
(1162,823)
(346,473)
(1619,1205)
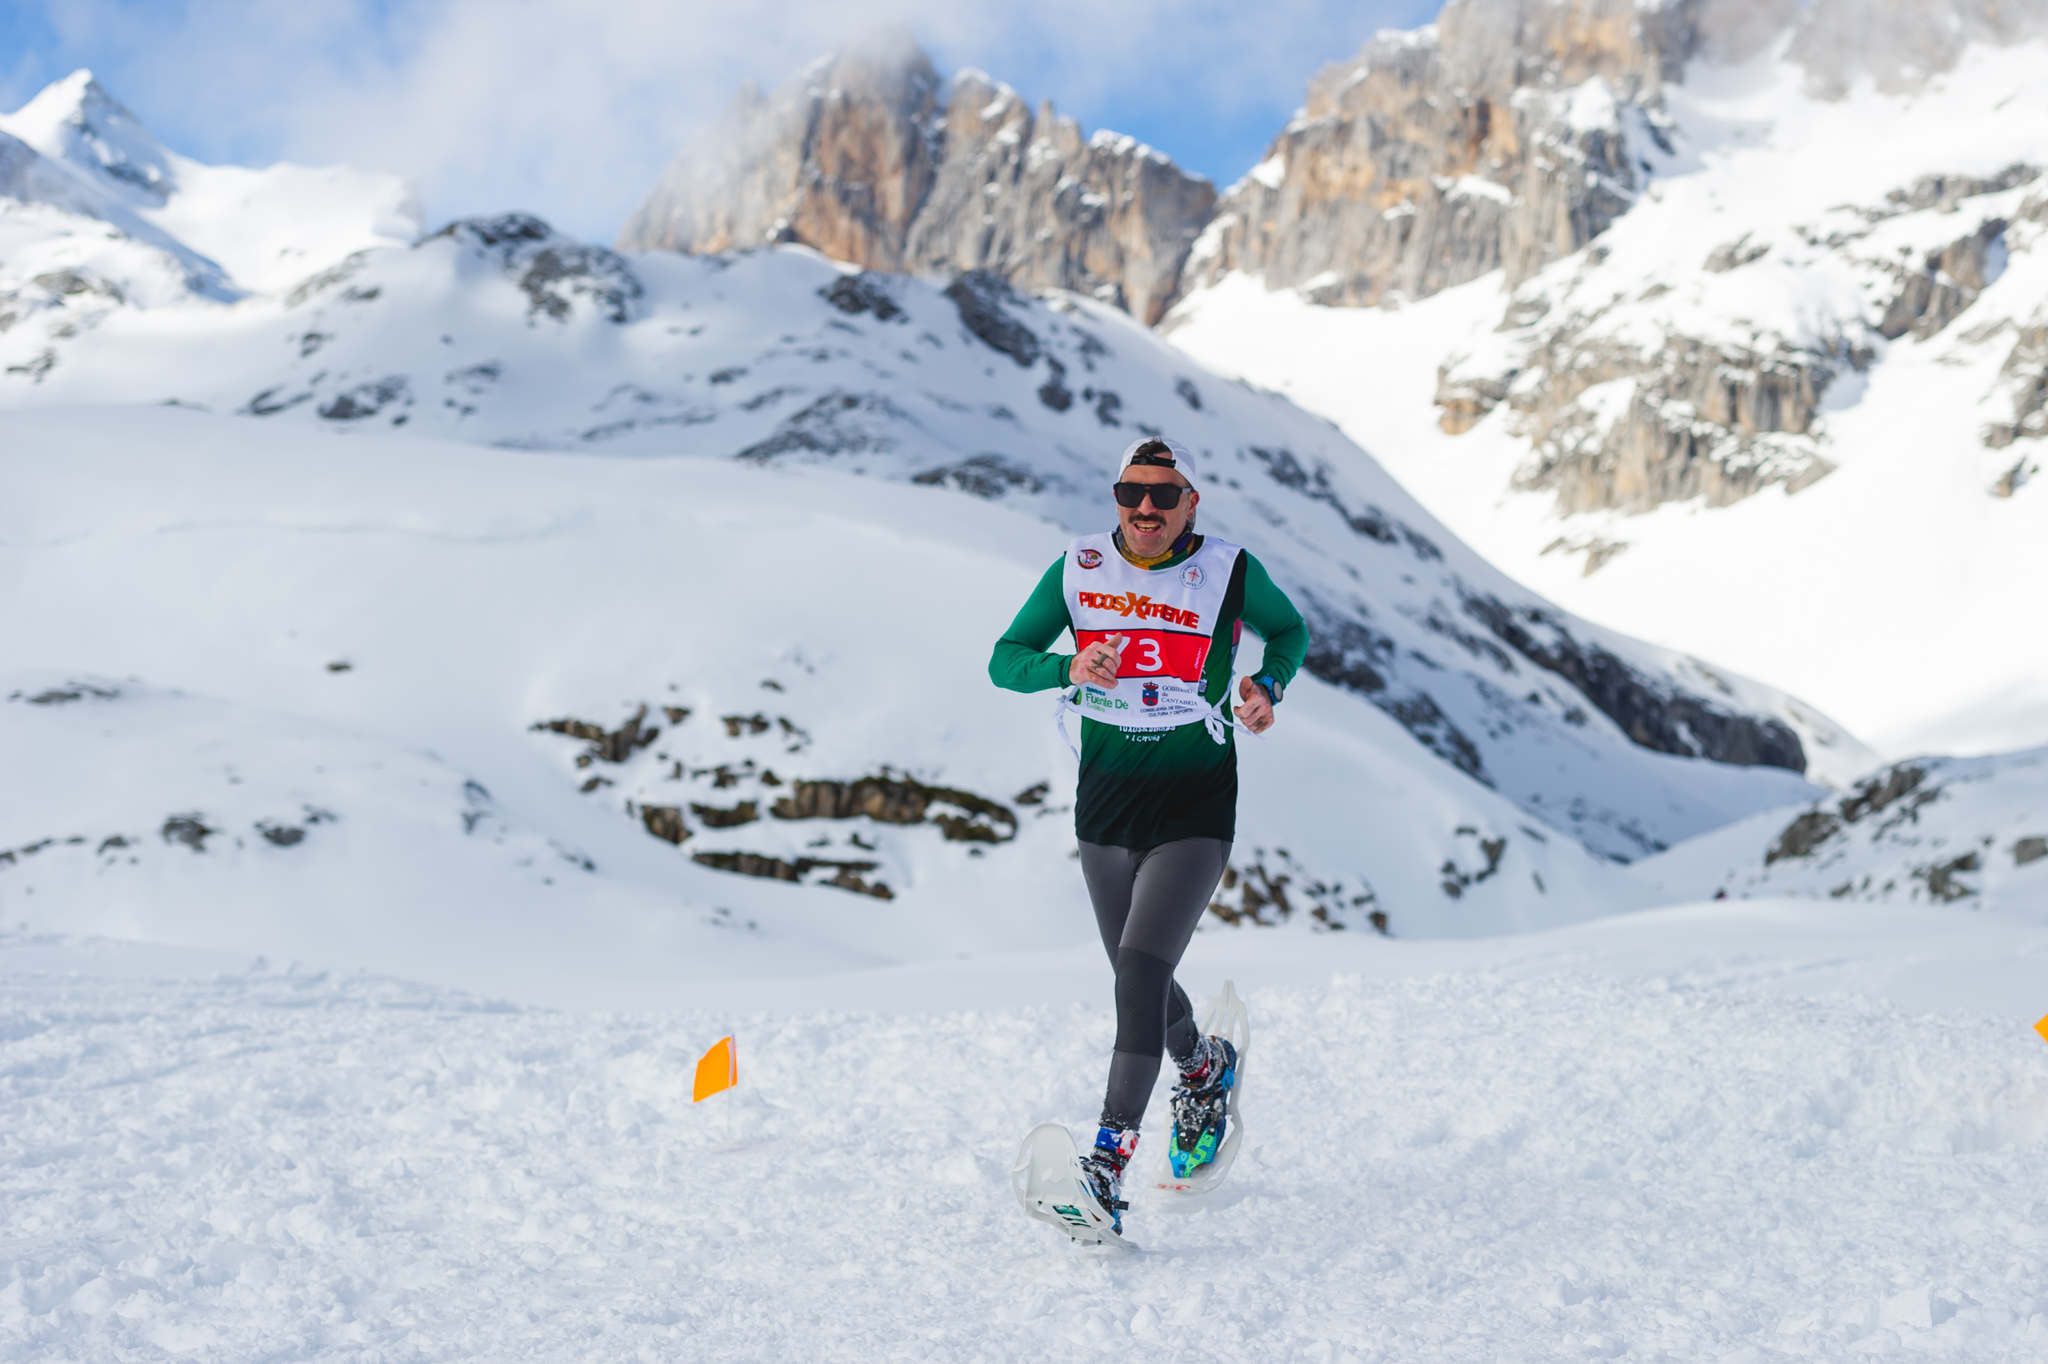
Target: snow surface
(248,1160)
(1894,593)
(1270,172)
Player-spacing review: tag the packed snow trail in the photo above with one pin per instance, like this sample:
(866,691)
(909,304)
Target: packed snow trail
(1465,1166)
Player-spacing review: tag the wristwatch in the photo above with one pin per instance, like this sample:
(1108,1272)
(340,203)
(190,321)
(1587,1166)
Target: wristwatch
(1274,690)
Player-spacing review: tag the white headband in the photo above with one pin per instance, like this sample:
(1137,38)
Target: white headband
(1177,457)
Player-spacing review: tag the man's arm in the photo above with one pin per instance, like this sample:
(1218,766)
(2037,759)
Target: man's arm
(1273,617)
(1019,662)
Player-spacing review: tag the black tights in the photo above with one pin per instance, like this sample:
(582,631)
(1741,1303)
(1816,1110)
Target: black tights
(1146,906)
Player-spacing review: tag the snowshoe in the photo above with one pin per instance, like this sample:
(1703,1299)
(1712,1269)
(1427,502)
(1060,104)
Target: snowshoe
(1207,1130)
(1083,1197)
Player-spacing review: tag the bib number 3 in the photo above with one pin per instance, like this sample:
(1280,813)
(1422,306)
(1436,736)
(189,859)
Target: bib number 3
(1150,653)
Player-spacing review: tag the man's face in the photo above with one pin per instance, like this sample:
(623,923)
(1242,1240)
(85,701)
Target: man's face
(1147,530)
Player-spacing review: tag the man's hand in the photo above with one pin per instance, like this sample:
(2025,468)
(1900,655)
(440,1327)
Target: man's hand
(1096,664)
(1257,710)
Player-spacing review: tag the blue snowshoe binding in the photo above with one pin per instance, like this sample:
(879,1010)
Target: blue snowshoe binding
(1201,1110)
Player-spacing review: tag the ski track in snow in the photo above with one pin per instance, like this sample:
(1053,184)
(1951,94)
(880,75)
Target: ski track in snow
(1465,1166)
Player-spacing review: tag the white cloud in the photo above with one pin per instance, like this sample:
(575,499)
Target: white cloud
(571,108)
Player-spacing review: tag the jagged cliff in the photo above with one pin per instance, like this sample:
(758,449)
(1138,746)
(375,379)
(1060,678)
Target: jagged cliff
(1636,386)
(1508,137)
(1498,138)
(1512,132)
(870,159)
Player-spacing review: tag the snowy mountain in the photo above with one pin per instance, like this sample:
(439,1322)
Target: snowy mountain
(1804,354)
(1592,271)
(502,332)
(1503,749)
(1929,830)
(343,699)
(93,209)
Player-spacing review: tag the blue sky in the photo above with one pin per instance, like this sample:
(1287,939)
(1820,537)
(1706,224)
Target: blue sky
(570,108)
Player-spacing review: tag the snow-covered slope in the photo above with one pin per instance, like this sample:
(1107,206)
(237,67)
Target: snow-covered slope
(1931,830)
(91,199)
(1782,413)
(331,697)
(501,331)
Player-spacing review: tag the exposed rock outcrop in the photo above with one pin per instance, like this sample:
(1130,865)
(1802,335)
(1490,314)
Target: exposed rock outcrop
(553,271)
(190,830)
(1269,887)
(1872,796)
(1512,132)
(1689,421)
(900,800)
(1505,136)
(1509,134)
(1933,830)
(657,786)
(1626,411)
(1660,718)
(840,160)
(845,875)
(870,159)
(2024,380)
(612,746)
(1947,281)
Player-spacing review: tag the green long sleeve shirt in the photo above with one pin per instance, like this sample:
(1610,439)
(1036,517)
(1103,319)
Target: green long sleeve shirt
(1139,789)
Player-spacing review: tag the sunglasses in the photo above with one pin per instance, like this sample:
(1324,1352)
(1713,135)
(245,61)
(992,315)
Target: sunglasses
(1165,496)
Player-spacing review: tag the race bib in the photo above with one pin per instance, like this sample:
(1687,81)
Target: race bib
(1167,618)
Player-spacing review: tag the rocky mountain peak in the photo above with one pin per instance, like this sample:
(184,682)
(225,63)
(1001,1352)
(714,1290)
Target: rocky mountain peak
(1504,136)
(838,159)
(888,66)
(870,158)
(1636,46)
(1496,46)
(1495,137)
(1511,133)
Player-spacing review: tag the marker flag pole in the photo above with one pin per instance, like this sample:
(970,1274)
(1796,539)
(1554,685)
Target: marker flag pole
(718,1069)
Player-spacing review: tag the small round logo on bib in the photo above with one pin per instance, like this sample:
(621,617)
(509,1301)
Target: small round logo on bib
(1089,558)
(1149,693)
(1192,575)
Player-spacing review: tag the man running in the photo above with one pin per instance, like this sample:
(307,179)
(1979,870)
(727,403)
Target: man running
(1156,611)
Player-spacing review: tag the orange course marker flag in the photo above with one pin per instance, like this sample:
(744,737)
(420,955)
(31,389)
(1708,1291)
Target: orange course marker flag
(718,1069)
(2042,1028)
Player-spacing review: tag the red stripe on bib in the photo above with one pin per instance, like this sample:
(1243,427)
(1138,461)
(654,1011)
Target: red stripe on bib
(1155,653)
